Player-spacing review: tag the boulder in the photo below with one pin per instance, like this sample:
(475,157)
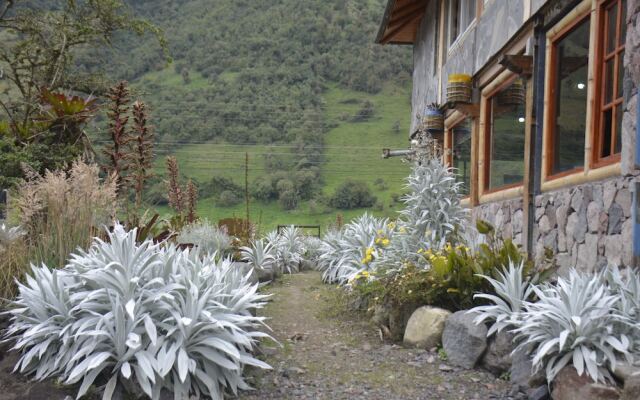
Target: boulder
(539,393)
(568,385)
(521,372)
(399,316)
(625,371)
(425,326)
(497,358)
(631,389)
(463,340)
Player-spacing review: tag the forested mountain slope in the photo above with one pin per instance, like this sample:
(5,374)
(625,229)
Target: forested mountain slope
(299,85)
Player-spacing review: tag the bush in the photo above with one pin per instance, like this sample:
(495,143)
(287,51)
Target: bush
(140,316)
(264,190)
(228,199)
(586,320)
(448,278)
(219,184)
(289,248)
(352,194)
(207,237)
(289,200)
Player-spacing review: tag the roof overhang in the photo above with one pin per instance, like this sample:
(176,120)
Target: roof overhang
(401,21)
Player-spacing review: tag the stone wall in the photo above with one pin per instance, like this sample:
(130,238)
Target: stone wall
(586,226)
(506,216)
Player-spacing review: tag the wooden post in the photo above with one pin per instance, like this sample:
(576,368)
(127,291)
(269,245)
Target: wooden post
(246,195)
(527,195)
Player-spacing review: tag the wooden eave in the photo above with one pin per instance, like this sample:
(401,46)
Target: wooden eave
(401,21)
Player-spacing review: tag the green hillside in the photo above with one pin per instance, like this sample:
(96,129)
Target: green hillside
(298,86)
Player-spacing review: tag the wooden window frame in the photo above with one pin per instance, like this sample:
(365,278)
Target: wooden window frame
(550,100)
(506,191)
(453,120)
(617,100)
(592,171)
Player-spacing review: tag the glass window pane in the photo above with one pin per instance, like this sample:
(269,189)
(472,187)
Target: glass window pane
(608,81)
(612,23)
(507,125)
(618,121)
(606,133)
(571,78)
(620,75)
(461,153)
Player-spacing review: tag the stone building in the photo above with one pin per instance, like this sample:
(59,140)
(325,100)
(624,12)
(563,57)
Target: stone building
(547,146)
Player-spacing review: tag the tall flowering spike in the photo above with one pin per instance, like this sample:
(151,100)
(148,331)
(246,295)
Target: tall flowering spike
(175,194)
(143,149)
(192,201)
(117,151)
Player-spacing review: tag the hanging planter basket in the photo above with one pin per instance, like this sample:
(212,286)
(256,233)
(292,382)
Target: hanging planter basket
(459,88)
(433,119)
(513,95)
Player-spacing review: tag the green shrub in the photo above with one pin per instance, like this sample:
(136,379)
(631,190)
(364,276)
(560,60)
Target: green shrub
(289,199)
(448,278)
(228,199)
(352,194)
(263,189)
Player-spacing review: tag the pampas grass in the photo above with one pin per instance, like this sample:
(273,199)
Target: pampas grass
(62,211)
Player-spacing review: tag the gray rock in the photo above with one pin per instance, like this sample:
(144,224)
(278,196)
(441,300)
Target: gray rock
(609,194)
(550,212)
(544,225)
(399,318)
(593,216)
(539,393)
(561,216)
(463,340)
(631,390)
(562,241)
(616,218)
(551,241)
(425,327)
(623,198)
(568,385)
(588,253)
(624,372)
(521,372)
(572,222)
(577,199)
(517,222)
(539,213)
(497,358)
(613,249)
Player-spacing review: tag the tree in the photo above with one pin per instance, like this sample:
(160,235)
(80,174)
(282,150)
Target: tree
(40,44)
(37,60)
(352,194)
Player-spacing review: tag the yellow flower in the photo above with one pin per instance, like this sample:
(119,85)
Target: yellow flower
(391,225)
(402,230)
(380,231)
(385,242)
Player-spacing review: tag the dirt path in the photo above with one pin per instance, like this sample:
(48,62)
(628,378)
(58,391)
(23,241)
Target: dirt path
(329,353)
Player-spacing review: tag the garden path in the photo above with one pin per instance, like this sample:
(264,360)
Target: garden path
(328,352)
